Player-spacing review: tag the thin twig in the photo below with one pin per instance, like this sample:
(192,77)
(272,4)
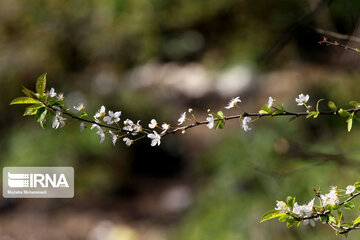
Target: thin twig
(337,44)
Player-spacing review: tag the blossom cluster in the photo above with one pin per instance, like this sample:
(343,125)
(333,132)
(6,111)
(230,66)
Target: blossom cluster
(327,210)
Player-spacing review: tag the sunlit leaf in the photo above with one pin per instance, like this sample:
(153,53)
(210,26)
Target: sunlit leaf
(24,100)
(41,84)
(272,214)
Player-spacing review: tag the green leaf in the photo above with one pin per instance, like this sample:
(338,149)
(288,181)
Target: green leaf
(332,106)
(356,221)
(290,201)
(263,112)
(41,114)
(41,84)
(349,205)
(272,214)
(293,222)
(220,124)
(284,218)
(350,122)
(332,219)
(84,114)
(311,114)
(324,218)
(265,108)
(28,92)
(277,112)
(357,185)
(343,113)
(221,114)
(32,110)
(24,100)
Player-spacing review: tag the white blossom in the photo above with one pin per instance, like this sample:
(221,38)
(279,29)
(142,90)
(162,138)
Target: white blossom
(80,107)
(100,112)
(115,137)
(127,125)
(210,120)
(130,126)
(302,100)
(331,198)
(305,211)
(82,126)
(60,96)
(152,124)
(182,118)
(245,123)
(100,132)
(350,189)
(233,102)
(137,128)
(308,209)
(155,138)
(281,206)
(128,141)
(59,121)
(270,102)
(52,93)
(165,127)
(113,117)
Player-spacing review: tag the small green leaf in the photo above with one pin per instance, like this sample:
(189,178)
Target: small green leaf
(220,124)
(41,84)
(311,114)
(84,114)
(41,114)
(290,201)
(221,114)
(356,221)
(24,100)
(284,218)
(350,122)
(332,219)
(343,113)
(324,218)
(32,110)
(263,112)
(278,112)
(349,205)
(357,185)
(28,92)
(272,214)
(265,108)
(332,106)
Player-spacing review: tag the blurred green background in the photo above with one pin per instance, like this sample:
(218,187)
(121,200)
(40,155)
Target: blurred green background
(155,59)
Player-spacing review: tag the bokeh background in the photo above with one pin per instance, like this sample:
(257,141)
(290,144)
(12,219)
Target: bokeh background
(155,59)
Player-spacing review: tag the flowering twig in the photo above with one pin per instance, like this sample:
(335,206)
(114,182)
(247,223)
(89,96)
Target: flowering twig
(47,104)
